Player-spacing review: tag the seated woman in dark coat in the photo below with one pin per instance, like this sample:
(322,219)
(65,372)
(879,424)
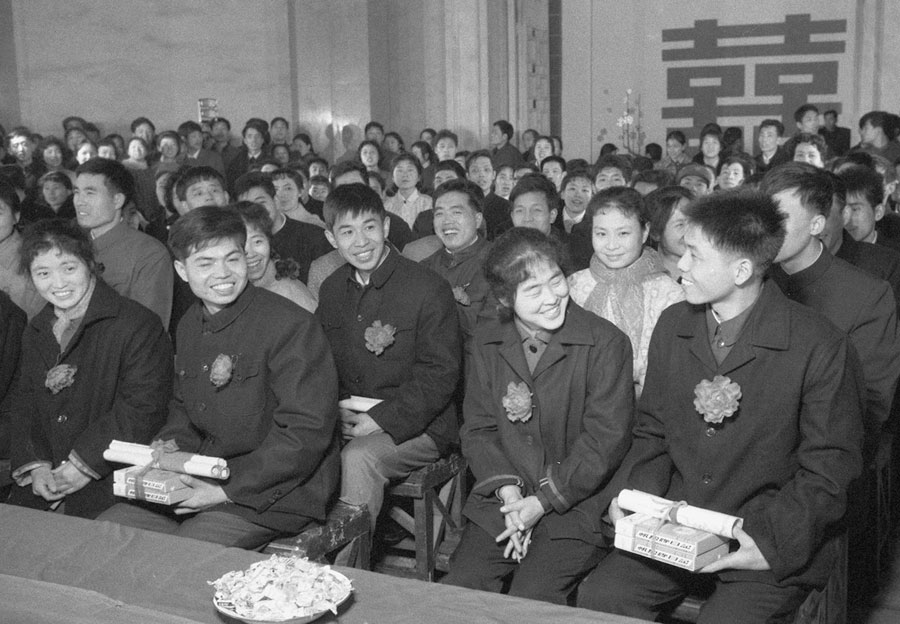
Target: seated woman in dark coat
(547,420)
(95,367)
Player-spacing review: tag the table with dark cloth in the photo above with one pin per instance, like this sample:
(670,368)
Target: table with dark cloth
(56,568)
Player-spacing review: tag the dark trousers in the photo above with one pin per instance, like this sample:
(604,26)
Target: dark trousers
(638,587)
(549,572)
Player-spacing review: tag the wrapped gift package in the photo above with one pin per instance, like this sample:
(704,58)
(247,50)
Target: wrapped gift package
(673,532)
(159,486)
(675,544)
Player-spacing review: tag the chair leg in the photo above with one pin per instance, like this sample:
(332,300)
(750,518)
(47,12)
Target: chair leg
(424,516)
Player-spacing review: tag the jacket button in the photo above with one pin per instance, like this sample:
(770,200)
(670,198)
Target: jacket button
(707,479)
(201,406)
(204,368)
(181,373)
(529,439)
(359,318)
(710,432)
(62,418)
(356,379)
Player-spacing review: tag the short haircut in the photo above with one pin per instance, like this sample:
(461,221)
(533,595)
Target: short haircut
(73,120)
(352,200)
(252,180)
(108,142)
(659,206)
(9,196)
(578,163)
(505,128)
(858,157)
(168,134)
(657,177)
(215,120)
(116,176)
(255,216)
(62,234)
(425,148)
(577,174)
(297,177)
(319,160)
(533,168)
(713,130)
(746,164)
(812,184)
(653,151)
(877,119)
(472,191)
(303,137)
(407,157)
(203,227)
(193,175)
(831,112)
(262,129)
(187,127)
(744,222)
(773,123)
(319,179)
(534,133)
(800,112)
(472,157)
(348,166)
(450,165)
(816,140)
(55,176)
(446,134)
(19,131)
(281,119)
(139,140)
(864,182)
(553,158)
(140,121)
(513,259)
(535,183)
(614,161)
(374,124)
(622,198)
(397,137)
(678,135)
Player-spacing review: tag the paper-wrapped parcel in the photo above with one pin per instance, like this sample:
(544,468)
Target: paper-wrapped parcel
(675,533)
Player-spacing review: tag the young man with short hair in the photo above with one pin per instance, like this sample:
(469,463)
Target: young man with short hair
(611,170)
(136,265)
(256,385)
(782,457)
(21,146)
(837,138)
(554,167)
(857,303)
(865,205)
(480,169)
(194,154)
(878,134)
(200,186)
(221,135)
(503,152)
(807,119)
(394,332)
(445,145)
(770,153)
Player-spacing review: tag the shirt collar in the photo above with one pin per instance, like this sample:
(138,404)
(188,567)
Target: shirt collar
(226,316)
(729,331)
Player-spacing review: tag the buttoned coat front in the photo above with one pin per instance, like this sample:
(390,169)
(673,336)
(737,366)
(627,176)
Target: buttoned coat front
(784,460)
(582,411)
(121,387)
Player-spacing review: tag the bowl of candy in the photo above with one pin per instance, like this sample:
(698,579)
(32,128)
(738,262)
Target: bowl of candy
(282,590)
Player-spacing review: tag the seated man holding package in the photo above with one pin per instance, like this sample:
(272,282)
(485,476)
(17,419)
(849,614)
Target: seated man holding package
(752,407)
(393,327)
(255,384)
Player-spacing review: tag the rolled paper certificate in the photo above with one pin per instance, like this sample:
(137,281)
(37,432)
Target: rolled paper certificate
(358,403)
(680,513)
(177,461)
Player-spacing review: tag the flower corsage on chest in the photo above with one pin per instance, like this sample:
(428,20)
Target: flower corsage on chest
(718,399)
(222,370)
(379,336)
(60,377)
(517,402)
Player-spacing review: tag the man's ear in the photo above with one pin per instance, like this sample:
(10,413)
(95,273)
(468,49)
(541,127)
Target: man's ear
(879,211)
(817,225)
(646,234)
(331,238)
(743,271)
(553,214)
(387,226)
(181,270)
(120,200)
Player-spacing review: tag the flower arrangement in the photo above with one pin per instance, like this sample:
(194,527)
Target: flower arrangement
(59,377)
(718,399)
(629,124)
(379,337)
(517,402)
(221,370)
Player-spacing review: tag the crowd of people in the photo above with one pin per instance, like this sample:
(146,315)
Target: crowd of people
(717,328)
